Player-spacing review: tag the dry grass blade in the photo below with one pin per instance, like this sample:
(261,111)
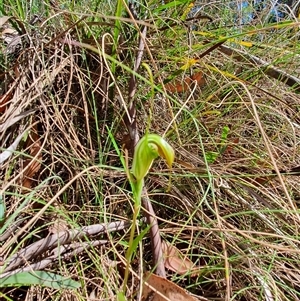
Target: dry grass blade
(156,242)
(4,20)
(14,119)
(131,120)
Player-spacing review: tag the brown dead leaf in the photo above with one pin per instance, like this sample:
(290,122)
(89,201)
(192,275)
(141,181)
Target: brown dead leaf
(157,288)
(3,20)
(33,145)
(175,260)
(185,84)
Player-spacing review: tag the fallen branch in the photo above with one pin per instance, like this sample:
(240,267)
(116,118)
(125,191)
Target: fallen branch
(268,68)
(58,255)
(11,229)
(58,239)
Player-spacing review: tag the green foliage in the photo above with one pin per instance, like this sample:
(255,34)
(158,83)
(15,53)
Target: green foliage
(121,297)
(211,156)
(139,238)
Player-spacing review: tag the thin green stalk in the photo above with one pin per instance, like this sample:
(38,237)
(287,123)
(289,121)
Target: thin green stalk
(117,30)
(137,196)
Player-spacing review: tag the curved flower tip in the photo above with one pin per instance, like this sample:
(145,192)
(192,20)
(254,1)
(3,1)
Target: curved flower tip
(149,148)
(166,151)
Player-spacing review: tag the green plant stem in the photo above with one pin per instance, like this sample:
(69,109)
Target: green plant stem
(137,188)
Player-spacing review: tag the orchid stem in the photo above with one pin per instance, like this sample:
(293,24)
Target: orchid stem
(137,187)
(147,149)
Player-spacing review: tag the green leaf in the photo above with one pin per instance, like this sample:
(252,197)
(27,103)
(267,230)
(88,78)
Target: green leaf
(224,136)
(2,210)
(121,297)
(41,278)
(170,5)
(139,238)
(225,132)
(211,157)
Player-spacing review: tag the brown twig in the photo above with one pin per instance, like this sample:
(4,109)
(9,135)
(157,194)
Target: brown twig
(130,121)
(157,253)
(59,239)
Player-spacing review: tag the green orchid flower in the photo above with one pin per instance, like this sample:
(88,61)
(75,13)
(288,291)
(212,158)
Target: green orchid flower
(149,148)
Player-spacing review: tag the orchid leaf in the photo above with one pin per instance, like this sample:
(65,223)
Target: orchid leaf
(41,278)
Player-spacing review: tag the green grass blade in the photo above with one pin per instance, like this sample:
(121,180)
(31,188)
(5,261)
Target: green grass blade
(2,210)
(117,30)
